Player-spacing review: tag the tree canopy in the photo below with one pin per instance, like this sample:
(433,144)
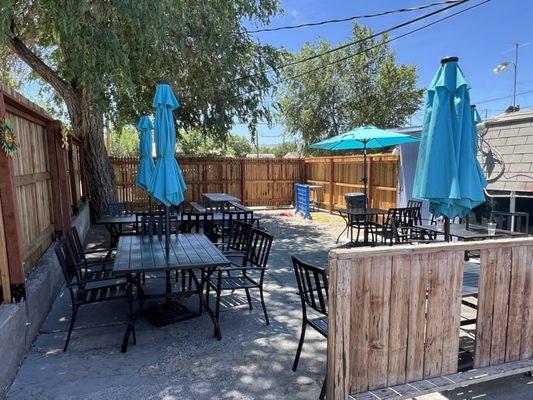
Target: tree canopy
(357,85)
(117,50)
(104,58)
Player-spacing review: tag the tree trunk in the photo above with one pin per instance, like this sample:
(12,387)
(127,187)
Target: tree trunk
(88,123)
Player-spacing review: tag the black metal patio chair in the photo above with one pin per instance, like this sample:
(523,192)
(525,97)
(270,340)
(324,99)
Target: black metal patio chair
(249,274)
(80,254)
(224,226)
(313,290)
(119,208)
(94,288)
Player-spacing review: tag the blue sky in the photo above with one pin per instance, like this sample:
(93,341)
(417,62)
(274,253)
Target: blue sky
(481,38)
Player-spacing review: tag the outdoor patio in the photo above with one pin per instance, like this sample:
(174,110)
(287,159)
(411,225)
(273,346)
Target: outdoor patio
(185,361)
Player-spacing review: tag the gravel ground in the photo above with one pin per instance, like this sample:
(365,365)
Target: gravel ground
(184,361)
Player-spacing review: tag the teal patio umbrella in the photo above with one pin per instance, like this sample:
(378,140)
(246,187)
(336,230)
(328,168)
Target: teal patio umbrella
(364,138)
(448,174)
(167,186)
(145,171)
(167,183)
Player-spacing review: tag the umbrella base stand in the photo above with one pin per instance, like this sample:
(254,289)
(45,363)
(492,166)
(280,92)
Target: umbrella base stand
(168,313)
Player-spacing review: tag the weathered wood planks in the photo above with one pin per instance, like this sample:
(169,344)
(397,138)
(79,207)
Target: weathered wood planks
(504,322)
(395,313)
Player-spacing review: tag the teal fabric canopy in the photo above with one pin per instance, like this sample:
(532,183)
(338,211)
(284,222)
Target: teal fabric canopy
(167,184)
(146,162)
(364,137)
(448,174)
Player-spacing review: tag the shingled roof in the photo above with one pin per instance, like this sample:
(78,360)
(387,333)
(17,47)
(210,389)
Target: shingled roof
(506,153)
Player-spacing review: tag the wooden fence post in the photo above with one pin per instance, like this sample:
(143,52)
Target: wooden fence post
(243,181)
(331,184)
(370,182)
(62,172)
(54,140)
(12,226)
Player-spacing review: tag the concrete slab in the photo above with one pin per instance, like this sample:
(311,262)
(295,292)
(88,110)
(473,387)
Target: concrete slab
(184,361)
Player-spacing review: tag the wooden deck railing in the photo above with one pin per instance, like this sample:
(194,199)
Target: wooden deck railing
(394,312)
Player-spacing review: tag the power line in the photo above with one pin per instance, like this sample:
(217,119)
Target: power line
(503,97)
(349,44)
(334,21)
(279,81)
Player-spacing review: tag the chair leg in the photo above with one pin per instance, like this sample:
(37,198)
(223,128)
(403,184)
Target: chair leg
(217,309)
(263,304)
(249,298)
(323,391)
(72,320)
(300,345)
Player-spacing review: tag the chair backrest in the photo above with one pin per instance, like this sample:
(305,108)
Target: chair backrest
(229,216)
(258,249)
(75,244)
(401,216)
(155,224)
(239,236)
(192,222)
(119,208)
(312,286)
(414,204)
(65,258)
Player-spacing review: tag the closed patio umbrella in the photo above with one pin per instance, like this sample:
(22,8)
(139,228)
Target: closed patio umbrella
(448,174)
(146,162)
(364,138)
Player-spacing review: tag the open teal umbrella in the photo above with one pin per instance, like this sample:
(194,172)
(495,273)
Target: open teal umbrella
(146,162)
(167,184)
(363,138)
(447,173)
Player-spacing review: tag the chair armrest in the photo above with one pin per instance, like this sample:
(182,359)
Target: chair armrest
(95,251)
(220,270)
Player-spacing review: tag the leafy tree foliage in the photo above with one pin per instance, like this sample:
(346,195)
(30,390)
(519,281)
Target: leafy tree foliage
(193,143)
(367,88)
(104,57)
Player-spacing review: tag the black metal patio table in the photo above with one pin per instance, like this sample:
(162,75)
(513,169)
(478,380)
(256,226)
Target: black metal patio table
(218,200)
(189,252)
(114,224)
(474,232)
(358,215)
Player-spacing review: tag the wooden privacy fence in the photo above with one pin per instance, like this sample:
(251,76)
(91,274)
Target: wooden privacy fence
(33,197)
(394,317)
(262,182)
(270,182)
(340,175)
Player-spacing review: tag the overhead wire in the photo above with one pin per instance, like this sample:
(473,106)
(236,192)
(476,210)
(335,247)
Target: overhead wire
(282,80)
(353,43)
(353,18)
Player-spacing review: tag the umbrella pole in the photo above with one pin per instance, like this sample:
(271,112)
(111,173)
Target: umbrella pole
(365,193)
(168,291)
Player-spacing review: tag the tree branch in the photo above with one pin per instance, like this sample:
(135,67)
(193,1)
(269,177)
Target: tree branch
(38,65)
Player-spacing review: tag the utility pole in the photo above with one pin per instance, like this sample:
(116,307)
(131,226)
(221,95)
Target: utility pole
(517,45)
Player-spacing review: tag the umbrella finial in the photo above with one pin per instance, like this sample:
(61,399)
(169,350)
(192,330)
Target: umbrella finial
(449,59)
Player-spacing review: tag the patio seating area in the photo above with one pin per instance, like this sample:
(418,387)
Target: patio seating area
(184,360)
